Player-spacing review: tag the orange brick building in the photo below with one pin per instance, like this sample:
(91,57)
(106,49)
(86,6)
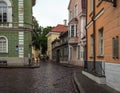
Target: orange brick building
(103,40)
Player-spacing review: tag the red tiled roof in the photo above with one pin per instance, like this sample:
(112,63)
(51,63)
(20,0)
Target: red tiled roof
(60,28)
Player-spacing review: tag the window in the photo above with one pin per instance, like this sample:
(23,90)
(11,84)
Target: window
(81,53)
(76,30)
(62,52)
(115,42)
(3,12)
(76,10)
(70,53)
(73,30)
(99,0)
(91,45)
(78,52)
(101,42)
(65,51)
(3,45)
(63,39)
(91,5)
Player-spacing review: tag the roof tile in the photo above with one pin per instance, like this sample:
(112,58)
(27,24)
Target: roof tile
(60,28)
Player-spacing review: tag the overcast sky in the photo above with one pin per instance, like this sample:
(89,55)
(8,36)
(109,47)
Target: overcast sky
(51,12)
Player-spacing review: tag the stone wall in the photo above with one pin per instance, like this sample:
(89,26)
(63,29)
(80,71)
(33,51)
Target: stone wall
(112,73)
(15,61)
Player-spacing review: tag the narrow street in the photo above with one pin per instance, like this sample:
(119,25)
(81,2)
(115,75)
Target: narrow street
(49,78)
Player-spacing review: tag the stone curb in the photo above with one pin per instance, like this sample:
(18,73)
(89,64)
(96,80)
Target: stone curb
(19,66)
(79,87)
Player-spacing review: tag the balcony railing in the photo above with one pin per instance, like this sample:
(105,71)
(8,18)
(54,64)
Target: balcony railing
(73,40)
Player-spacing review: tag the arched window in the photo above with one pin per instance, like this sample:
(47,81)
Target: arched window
(3,12)
(3,45)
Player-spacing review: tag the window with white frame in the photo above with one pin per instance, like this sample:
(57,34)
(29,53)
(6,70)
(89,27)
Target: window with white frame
(3,45)
(78,52)
(75,10)
(73,30)
(91,45)
(101,42)
(3,11)
(81,52)
(91,5)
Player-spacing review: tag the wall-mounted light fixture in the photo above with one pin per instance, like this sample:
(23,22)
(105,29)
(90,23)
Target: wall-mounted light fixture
(114,2)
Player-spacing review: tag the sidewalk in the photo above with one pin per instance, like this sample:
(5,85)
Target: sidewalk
(86,85)
(33,65)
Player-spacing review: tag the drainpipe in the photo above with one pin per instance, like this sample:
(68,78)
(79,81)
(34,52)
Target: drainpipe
(86,54)
(94,31)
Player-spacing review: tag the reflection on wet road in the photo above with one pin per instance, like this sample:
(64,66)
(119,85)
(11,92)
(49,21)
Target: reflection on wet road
(49,78)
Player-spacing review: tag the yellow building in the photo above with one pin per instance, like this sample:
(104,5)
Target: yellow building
(52,35)
(35,54)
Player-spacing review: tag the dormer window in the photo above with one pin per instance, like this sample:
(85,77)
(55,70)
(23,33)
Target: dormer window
(3,12)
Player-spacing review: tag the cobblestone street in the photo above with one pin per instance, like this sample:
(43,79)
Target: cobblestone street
(49,78)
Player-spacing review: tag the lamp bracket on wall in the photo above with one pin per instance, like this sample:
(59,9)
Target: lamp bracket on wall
(114,2)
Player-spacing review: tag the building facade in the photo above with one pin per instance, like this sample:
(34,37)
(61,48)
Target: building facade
(60,49)
(15,31)
(77,22)
(103,25)
(52,35)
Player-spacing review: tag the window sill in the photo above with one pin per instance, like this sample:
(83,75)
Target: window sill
(100,56)
(91,57)
(115,57)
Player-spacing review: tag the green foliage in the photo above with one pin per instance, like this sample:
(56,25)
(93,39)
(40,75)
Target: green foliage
(44,39)
(39,39)
(36,35)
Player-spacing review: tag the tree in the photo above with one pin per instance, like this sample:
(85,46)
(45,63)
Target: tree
(36,35)
(44,39)
(39,39)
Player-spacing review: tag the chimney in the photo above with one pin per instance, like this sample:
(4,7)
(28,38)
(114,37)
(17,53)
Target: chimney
(65,22)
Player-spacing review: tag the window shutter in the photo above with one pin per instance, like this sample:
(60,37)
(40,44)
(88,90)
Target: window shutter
(117,47)
(113,47)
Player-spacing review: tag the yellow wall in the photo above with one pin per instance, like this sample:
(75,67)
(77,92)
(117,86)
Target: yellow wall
(35,53)
(51,37)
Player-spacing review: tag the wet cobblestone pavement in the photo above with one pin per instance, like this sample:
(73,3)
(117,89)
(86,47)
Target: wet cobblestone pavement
(49,78)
